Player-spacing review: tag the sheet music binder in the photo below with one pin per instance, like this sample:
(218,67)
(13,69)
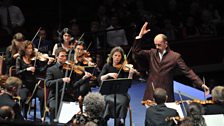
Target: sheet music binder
(115,86)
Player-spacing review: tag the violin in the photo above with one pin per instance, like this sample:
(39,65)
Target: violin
(71,66)
(85,58)
(42,57)
(148,102)
(126,67)
(202,102)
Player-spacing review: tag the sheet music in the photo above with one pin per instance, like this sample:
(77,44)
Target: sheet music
(175,106)
(68,110)
(214,120)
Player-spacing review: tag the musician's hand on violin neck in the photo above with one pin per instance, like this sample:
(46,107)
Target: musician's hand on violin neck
(66,79)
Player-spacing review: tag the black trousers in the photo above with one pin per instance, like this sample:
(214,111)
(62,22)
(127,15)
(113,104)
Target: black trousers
(25,92)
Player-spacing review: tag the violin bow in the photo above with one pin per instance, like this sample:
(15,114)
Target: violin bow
(181,99)
(35,61)
(204,89)
(36,34)
(63,89)
(124,61)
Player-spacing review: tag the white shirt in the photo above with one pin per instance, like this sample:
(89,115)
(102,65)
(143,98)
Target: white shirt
(161,55)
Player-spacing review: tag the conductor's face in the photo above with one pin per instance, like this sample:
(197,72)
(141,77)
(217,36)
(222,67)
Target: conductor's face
(160,43)
(116,58)
(61,58)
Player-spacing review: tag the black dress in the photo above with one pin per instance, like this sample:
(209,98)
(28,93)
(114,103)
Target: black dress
(122,100)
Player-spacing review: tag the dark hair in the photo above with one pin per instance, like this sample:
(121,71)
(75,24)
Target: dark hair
(195,111)
(80,43)
(160,95)
(116,49)
(66,30)
(58,50)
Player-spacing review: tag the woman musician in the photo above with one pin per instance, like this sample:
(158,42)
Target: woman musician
(111,71)
(27,70)
(12,51)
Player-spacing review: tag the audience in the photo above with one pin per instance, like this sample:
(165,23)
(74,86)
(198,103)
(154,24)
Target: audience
(218,99)
(94,105)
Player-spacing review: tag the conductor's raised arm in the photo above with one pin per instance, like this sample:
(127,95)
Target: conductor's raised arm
(143,31)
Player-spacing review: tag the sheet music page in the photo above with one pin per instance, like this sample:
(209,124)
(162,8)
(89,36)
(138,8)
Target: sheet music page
(214,120)
(175,106)
(69,109)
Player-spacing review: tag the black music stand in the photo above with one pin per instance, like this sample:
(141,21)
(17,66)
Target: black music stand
(115,86)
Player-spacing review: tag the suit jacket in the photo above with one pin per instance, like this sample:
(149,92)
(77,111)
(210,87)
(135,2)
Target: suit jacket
(7,100)
(214,109)
(156,115)
(161,72)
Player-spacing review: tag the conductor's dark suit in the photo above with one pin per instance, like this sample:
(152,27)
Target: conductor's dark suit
(7,100)
(156,115)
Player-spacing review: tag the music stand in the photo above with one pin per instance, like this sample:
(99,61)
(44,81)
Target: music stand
(115,86)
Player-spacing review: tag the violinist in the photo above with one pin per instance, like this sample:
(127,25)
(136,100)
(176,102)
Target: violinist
(110,71)
(81,57)
(67,44)
(56,75)
(45,45)
(27,69)
(12,51)
(11,89)
(156,115)
(218,98)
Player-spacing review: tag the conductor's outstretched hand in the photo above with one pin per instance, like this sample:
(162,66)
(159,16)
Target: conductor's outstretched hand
(144,30)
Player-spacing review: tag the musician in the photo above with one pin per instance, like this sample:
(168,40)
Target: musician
(27,71)
(156,115)
(12,51)
(80,56)
(162,62)
(194,115)
(56,75)
(67,44)
(7,96)
(45,45)
(109,71)
(218,99)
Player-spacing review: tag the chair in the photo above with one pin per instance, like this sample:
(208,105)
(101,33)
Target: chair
(12,71)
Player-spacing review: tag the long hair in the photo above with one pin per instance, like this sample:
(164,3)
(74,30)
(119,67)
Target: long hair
(116,49)
(23,51)
(18,37)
